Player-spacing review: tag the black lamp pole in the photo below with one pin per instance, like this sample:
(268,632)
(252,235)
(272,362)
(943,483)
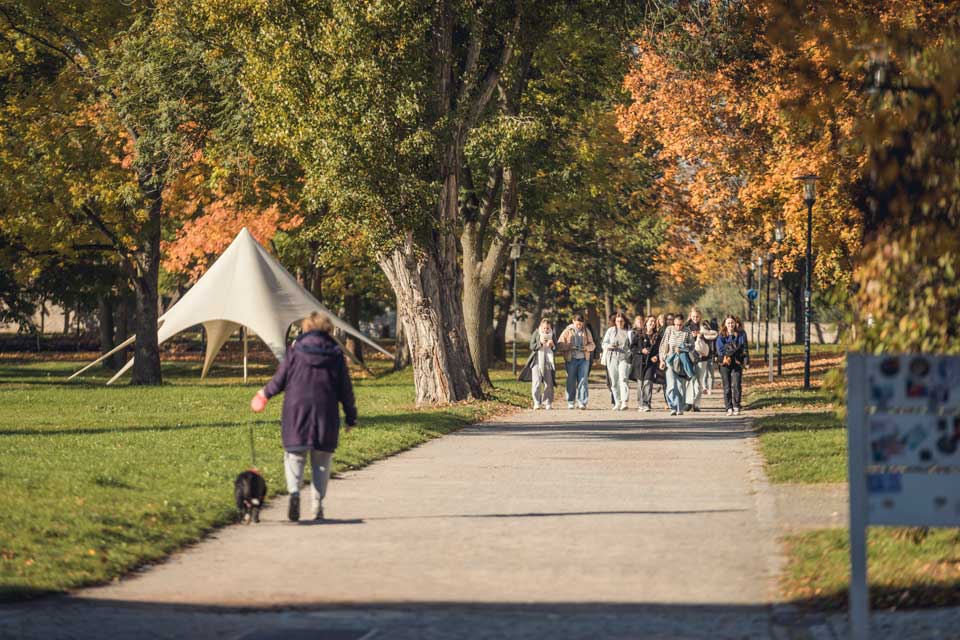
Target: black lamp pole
(809,197)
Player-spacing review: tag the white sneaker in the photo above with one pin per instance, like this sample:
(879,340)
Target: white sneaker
(673,412)
(546,406)
(623,407)
(736,411)
(569,405)
(581,406)
(644,409)
(729,412)
(536,406)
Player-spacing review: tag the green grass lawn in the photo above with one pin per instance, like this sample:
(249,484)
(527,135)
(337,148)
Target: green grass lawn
(801,437)
(804,447)
(98,480)
(903,572)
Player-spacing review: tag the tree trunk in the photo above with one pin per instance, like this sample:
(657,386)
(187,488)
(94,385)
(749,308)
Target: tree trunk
(351,303)
(797,293)
(66,320)
(146,368)
(428,291)
(502,315)
(482,265)
(105,314)
(477,299)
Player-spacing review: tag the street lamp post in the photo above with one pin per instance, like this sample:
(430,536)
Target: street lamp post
(809,197)
(758,333)
(515,256)
(778,236)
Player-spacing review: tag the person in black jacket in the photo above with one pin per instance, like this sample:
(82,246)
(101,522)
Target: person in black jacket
(734,356)
(316,381)
(645,359)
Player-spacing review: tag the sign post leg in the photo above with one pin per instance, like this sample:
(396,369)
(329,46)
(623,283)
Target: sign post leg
(857,476)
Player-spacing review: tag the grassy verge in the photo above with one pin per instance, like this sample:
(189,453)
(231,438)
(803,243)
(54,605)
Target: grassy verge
(98,480)
(903,572)
(801,438)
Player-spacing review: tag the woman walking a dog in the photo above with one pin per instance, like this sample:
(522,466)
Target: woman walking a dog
(314,380)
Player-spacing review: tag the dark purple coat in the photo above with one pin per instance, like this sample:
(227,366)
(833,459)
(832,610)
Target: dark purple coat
(315,378)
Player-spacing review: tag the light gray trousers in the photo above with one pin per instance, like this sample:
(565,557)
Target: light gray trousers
(320,461)
(542,386)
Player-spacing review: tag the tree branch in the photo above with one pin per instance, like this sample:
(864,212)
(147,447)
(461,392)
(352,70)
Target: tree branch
(116,244)
(42,41)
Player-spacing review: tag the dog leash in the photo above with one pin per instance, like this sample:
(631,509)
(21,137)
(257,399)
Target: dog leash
(253,450)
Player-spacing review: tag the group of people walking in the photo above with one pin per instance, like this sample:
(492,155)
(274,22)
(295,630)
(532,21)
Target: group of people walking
(665,351)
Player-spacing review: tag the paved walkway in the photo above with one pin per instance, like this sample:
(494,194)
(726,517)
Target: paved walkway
(573,524)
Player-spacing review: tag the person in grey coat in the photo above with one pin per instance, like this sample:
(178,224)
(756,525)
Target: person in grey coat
(315,381)
(543,371)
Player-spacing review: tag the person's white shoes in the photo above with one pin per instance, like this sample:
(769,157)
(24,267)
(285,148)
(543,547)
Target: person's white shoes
(736,411)
(623,407)
(536,406)
(644,409)
(673,412)
(569,405)
(547,406)
(729,412)
(581,406)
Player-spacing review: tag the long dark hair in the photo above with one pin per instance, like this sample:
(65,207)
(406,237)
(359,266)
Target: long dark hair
(736,327)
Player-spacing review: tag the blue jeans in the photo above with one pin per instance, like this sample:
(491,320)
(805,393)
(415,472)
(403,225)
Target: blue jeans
(577,372)
(674,390)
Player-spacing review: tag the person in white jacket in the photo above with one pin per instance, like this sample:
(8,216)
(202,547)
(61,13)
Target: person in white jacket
(616,356)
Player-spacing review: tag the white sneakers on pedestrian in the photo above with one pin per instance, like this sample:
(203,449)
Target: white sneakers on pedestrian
(643,408)
(569,405)
(581,406)
(536,406)
(736,411)
(673,412)
(729,412)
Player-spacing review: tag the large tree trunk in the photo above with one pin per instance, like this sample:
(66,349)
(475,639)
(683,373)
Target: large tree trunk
(428,291)
(105,314)
(351,304)
(146,367)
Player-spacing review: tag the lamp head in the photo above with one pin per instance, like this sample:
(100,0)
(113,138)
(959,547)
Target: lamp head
(809,188)
(515,249)
(779,231)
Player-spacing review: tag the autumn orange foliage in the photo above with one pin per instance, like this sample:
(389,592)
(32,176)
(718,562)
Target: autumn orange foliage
(210,218)
(729,152)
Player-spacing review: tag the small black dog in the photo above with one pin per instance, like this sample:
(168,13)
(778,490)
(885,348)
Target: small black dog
(250,489)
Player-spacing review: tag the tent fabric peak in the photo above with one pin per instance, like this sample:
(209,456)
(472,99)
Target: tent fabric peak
(244,287)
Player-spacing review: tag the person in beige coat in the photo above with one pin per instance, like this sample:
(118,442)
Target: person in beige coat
(577,346)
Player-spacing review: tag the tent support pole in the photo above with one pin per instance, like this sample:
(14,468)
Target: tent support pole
(243,332)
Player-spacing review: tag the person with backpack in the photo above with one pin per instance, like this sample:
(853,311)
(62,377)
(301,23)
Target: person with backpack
(645,359)
(734,356)
(676,347)
(577,346)
(314,380)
